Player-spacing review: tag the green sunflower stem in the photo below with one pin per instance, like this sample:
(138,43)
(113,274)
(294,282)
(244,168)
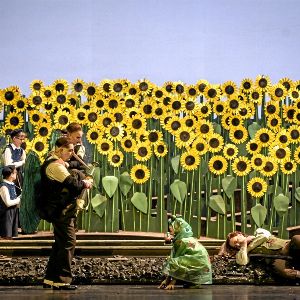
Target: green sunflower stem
(208,210)
(191,197)
(161,193)
(243,206)
(199,200)
(272,208)
(150,194)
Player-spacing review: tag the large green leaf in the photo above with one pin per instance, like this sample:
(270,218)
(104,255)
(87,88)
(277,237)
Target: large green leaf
(271,190)
(217,203)
(179,190)
(139,200)
(297,193)
(253,128)
(175,163)
(125,183)
(217,128)
(281,203)
(110,184)
(203,167)
(259,213)
(229,184)
(96,176)
(99,204)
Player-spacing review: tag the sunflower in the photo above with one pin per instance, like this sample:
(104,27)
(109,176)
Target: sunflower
(190,106)
(184,137)
(200,145)
(59,99)
(220,107)
(272,108)
(73,100)
(179,88)
(294,94)
(238,135)
(90,91)
(93,117)
(204,110)
(235,121)
(225,120)
(129,102)
(201,85)
(293,134)
(246,85)
(143,151)
(246,110)
(43,130)
(136,123)
(105,87)
(255,96)
(10,94)
(159,111)
(205,128)
(241,166)
(36,99)
(48,92)
(158,94)
(144,87)
(229,89)
(168,86)
(191,91)
(289,112)
(112,103)
(21,104)
(78,86)
(119,116)
(190,121)
(212,92)
(282,138)
(277,92)
(230,151)
(40,146)
(173,124)
(296,118)
(287,83)
(62,119)
(257,187)
(115,131)
(104,146)
(105,120)
(253,147)
(274,123)
(262,83)
(93,135)
(80,115)
(279,153)
(297,155)
(288,167)
(217,165)
(264,137)
(115,158)
(154,137)
(297,85)
(177,105)
(128,144)
(215,142)
(119,86)
(139,173)
(258,161)
(36,117)
(37,85)
(190,160)
(147,108)
(14,120)
(297,104)
(160,149)
(60,86)
(270,167)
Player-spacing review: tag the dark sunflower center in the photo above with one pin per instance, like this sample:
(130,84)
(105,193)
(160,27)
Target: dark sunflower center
(129,103)
(230,152)
(118,117)
(201,87)
(161,149)
(204,128)
(283,139)
(258,162)
(37,86)
(35,117)
(94,135)
(274,122)
(184,136)
(43,131)
(298,116)
(262,83)
(9,96)
(190,160)
(190,105)
(255,95)
(288,166)
(59,87)
(20,104)
(153,137)
(114,131)
(92,117)
(14,121)
(295,134)
(142,151)
(192,92)
(257,187)
(229,89)
(106,121)
(214,143)
(238,134)
(39,146)
(61,99)
(158,94)
(271,109)
(128,144)
(218,165)
(279,92)
(140,174)
(189,122)
(158,111)
(200,147)
(116,158)
(47,93)
(176,105)
(99,103)
(290,113)
(137,124)
(91,91)
(295,94)
(235,121)
(233,104)
(104,146)
(117,87)
(143,86)
(63,120)
(106,87)
(204,109)
(179,88)
(246,85)
(269,166)
(212,93)
(175,125)
(78,87)
(81,116)
(166,101)
(243,112)
(253,146)
(113,104)
(264,137)
(147,109)
(241,166)
(169,88)
(220,108)
(36,100)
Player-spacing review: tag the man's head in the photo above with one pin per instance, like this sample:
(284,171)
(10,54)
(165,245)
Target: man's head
(74,133)
(18,136)
(64,148)
(9,172)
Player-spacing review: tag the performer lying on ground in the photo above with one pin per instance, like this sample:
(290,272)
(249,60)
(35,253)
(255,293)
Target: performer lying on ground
(240,245)
(189,260)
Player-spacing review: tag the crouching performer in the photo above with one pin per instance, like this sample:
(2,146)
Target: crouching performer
(57,204)
(189,261)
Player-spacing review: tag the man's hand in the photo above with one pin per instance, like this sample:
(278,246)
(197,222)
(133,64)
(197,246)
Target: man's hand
(88,183)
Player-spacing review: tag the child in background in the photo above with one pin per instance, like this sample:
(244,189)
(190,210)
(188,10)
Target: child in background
(8,203)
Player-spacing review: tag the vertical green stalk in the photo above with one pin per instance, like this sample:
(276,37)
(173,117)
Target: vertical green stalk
(272,203)
(243,206)
(161,192)
(208,192)
(199,201)
(191,196)
(150,193)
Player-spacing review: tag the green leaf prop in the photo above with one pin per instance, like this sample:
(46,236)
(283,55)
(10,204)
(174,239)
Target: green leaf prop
(253,128)
(96,177)
(297,194)
(217,203)
(110,184)
(179,190)
(217,128)
(175,163)
(229,184)
(259,213)
(203,167)
(139,200)
(125,183)
(281,203)
(99,204)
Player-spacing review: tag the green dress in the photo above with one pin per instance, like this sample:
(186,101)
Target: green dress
(189,260)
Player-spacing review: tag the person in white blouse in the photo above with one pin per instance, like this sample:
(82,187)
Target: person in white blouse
(8,203)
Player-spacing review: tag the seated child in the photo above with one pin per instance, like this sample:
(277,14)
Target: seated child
(8,203)
(189,260)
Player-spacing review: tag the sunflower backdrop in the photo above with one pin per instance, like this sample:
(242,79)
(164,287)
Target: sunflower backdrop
(224,156)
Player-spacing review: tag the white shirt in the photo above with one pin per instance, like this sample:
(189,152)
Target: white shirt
(8,157)
(4,193)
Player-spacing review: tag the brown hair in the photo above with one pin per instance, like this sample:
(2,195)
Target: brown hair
(226,249)
(62,142)
(73,127)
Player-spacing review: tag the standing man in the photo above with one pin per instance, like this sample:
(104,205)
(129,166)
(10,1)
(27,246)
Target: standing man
(57,204)
(15,155)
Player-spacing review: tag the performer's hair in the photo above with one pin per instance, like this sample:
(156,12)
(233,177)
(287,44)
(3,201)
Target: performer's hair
(7,171)
(62,142)
(16,132)
(73,127)
(226,249)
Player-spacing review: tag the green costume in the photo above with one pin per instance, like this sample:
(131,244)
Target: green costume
(189,260)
